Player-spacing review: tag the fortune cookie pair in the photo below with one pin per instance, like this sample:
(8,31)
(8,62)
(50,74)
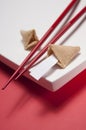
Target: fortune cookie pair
(64,54)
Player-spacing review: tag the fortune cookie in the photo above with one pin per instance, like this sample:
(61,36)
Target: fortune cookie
(64,54)
(29,39)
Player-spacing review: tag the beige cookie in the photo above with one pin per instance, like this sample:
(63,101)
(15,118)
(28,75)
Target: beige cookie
(29,39)
(64,54)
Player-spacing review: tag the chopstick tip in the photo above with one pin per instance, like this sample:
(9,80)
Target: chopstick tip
(5,86)
(18,76)
(2,88)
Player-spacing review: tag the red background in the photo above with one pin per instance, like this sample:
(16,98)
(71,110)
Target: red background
(25,105)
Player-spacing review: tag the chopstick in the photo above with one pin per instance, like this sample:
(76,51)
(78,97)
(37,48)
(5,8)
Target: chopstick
(50,30)
(53,40)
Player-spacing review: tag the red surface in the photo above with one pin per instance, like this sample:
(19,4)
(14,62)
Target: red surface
(26,106)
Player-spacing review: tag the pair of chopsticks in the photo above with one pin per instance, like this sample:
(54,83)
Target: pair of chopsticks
(20,69)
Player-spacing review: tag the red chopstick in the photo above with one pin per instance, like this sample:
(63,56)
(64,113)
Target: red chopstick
(54,39)
(50,30)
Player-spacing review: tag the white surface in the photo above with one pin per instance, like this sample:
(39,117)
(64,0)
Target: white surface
(28,14)
(43,67)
